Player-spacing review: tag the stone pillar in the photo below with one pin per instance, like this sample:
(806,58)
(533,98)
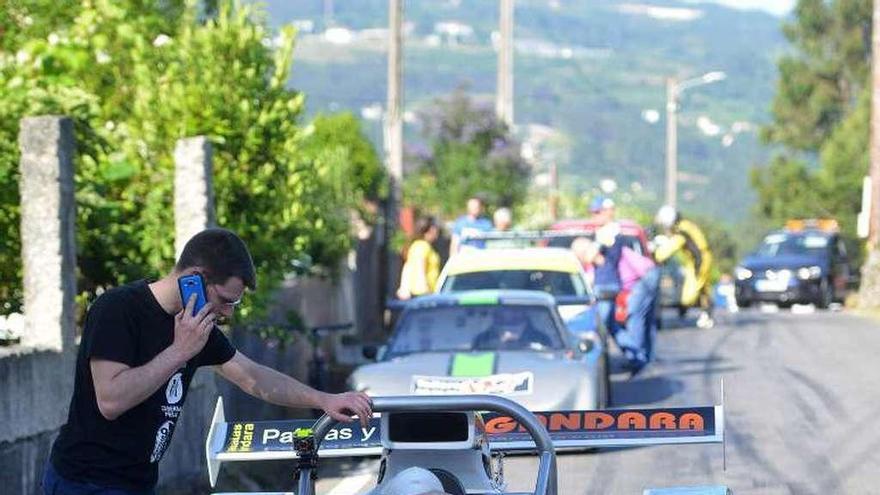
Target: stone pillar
(193,212)
(48,242)
(193,189)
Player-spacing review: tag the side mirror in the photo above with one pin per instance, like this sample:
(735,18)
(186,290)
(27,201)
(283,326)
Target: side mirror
(374,352)
(370,352)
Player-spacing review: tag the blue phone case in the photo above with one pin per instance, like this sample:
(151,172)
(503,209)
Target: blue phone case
(192,284)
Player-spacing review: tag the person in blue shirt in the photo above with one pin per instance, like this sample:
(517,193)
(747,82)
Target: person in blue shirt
(607,275)
(470,223)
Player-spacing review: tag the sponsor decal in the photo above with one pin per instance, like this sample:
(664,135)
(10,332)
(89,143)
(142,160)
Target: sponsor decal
(629,423)
(163,437)
(174,389)
(501,384)
(279,436)
(242,437)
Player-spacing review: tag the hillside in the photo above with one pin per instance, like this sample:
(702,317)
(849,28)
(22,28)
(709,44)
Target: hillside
(592,71)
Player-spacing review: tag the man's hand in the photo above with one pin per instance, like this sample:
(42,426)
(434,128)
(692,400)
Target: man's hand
(342,406)
(191,331)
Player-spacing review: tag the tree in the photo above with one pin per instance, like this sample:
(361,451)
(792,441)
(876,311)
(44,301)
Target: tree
(471,152)
(820,116)
(341,138)
(820,82)
(136,77)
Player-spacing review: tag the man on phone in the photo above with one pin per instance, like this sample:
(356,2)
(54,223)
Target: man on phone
(140,348)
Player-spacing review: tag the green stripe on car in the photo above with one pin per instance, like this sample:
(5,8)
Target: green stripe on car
(472,364)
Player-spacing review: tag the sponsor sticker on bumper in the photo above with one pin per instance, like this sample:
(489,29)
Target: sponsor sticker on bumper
(503,383)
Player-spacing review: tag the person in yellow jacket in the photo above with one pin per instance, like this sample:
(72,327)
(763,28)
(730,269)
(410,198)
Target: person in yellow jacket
(422,266)
(685,237)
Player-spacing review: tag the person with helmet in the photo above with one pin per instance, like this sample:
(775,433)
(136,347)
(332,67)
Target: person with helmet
(685,237)
(413,481)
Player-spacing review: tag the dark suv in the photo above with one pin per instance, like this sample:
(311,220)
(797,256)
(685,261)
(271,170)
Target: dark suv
(804,265)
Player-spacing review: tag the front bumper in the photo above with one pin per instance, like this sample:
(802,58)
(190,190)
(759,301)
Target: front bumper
(796,291)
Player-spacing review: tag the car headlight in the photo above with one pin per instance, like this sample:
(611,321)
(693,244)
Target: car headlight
(809,272)
(742,273)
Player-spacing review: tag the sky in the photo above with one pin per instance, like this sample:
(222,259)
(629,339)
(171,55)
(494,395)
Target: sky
(777,7)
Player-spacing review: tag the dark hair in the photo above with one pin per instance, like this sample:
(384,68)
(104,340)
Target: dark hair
(222,255)
(423,225)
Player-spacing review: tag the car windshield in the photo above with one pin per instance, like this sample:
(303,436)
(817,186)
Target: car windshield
(793,244)
(552,282)
(475,328)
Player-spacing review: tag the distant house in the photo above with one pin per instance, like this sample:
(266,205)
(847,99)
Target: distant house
(454,33)
(339,35)
(303,25)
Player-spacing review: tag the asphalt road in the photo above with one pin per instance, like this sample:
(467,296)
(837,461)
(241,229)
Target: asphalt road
(802,398)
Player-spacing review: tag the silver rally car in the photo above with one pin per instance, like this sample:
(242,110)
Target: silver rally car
(501,342)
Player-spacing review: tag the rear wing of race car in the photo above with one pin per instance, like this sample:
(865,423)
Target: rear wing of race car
(267,440)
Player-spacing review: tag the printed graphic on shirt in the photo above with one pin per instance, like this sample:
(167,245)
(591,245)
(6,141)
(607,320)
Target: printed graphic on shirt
(174,390)
(163,437)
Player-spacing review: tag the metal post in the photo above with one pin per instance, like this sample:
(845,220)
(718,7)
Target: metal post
(671,141)
(504,92)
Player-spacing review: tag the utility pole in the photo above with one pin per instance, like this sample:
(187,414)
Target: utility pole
(874,221)
(671,141)
(328,13)
(504,91)
(554,192)
(393,115)
(674,89)
(869,292)
(389,264)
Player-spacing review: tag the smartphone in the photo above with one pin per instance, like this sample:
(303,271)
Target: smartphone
(193,284)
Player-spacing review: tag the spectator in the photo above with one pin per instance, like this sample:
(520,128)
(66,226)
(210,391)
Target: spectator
(687,238)
(421,268)
(503,219)
(468,224)
(640,277)
(607,274)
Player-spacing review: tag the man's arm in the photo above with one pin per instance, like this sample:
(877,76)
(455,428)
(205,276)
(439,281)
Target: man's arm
(453,244)
(669,248)
(271,386)
(120,387)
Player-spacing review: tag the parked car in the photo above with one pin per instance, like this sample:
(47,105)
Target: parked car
(555,271)
(806,262)
(461,342)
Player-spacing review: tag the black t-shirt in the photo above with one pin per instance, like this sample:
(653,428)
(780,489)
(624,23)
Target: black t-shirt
(126,325)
